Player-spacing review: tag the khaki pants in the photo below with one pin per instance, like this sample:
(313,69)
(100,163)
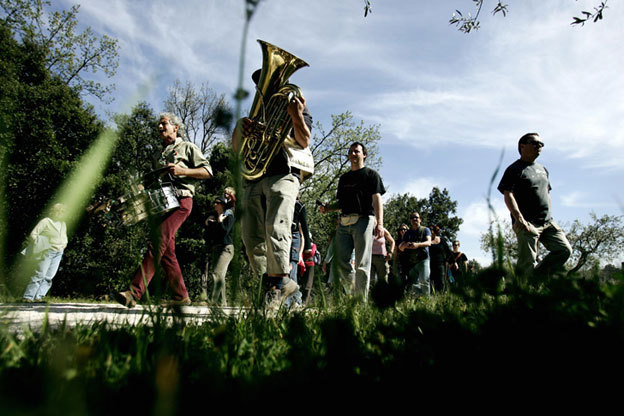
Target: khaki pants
(380,269)
(219,261)
(269,206)
(552,237)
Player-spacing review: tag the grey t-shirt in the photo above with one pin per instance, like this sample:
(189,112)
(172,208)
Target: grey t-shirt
(530,185)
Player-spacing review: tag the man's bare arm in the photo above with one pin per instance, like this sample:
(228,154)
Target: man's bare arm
(378,208)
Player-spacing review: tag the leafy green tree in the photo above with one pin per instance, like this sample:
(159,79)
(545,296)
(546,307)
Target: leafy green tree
(601,239)
(104,252)
(598,241)
(46,131)
(507,241)
(437,209)
(66,53)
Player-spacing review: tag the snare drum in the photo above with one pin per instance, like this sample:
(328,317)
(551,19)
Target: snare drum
(149,202)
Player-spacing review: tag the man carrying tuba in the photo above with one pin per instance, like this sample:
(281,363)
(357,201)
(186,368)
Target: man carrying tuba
(270,191)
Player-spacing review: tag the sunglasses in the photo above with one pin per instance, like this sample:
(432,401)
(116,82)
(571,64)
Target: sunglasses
(536,143)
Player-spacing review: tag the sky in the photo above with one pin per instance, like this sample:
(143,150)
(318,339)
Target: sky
(448,105)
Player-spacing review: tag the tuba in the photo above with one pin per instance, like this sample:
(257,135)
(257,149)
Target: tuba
(272,124)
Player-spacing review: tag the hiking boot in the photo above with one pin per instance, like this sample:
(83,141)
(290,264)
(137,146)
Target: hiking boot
(289,287)
(126,299)
(183,302)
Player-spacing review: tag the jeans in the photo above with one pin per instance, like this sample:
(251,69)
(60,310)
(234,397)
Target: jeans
(41,281)
(419,278)
(294,262)
(552,237)
(358,236)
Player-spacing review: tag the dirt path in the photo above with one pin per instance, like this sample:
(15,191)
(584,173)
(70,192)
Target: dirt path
(20,316)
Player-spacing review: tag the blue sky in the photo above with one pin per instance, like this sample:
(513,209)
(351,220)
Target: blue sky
(447,103)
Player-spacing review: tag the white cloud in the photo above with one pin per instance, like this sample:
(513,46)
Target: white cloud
(477,216)
(580,199)
(420,187)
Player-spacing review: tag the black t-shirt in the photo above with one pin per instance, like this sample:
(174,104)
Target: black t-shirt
(459,258)
(439,252)
(301,217)
(530,185)
(279,164)
(220,233)
(356,189)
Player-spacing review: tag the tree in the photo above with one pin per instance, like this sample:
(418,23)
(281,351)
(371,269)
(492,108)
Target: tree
(471,22)
(600,240)
(67,54)
(437,209)
(204,113)
(330,148)
(468,23)
(507,241)
(47,129)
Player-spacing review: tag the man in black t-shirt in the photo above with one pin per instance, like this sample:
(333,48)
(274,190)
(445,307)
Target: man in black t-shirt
(526,187)
(359,200)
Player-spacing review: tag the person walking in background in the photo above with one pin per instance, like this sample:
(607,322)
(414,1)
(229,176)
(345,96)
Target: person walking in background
(438,254)
(221,251)
(380,262)
(526,188)
(416,242)
(311,258)
(47,241)
(458,264)
(398,265)
(359,200)
(301,243)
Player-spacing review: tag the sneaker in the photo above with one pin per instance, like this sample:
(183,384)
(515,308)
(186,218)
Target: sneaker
(126,299)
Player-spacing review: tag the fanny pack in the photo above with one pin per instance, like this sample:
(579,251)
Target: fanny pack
(349,219)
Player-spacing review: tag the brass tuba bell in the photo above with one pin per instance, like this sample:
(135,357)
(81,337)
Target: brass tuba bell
(272,124)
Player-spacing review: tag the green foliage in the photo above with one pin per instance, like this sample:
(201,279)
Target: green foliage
(478,338)
(601,239)
(67,54)
(437,209)
(44,134)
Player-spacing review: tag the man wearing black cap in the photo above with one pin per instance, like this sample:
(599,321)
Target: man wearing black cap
(270,200)
(526,187)
(221,251)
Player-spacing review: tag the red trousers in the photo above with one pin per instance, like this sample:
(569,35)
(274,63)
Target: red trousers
(166,255)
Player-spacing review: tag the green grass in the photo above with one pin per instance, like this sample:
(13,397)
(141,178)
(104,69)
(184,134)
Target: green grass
(484,331)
